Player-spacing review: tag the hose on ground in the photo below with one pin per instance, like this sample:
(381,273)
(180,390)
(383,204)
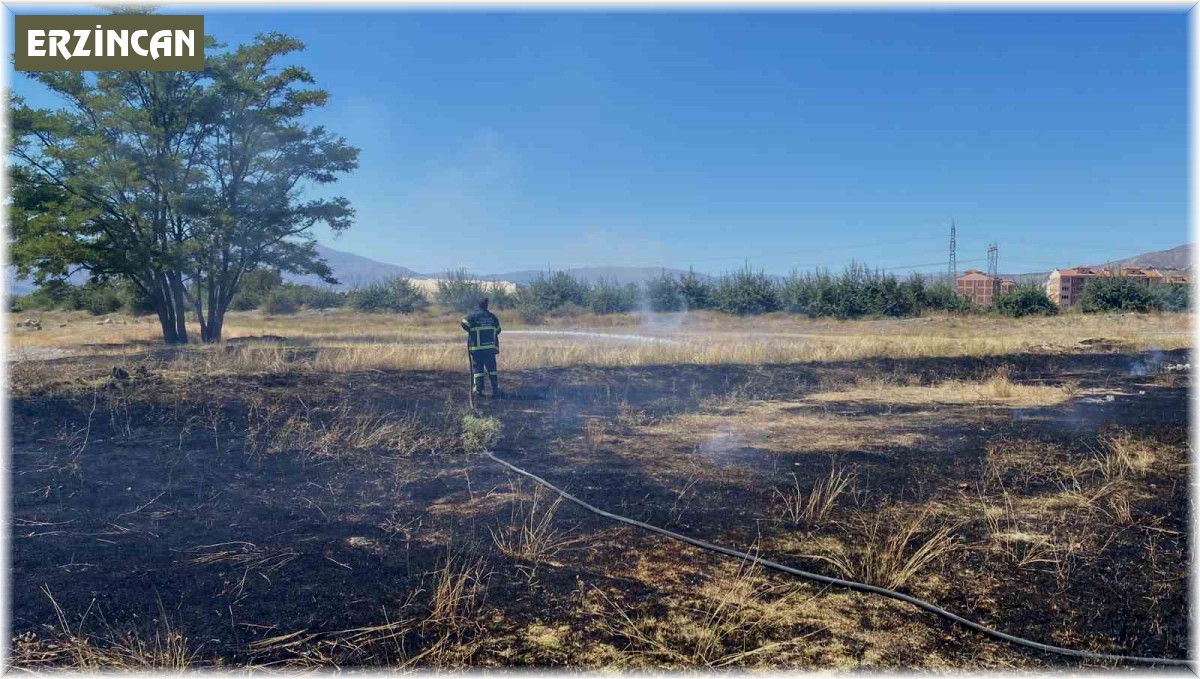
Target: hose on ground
(847,584)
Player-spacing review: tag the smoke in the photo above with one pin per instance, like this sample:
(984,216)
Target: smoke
(666,322)
(722,446)
(588,333)
(1148,365)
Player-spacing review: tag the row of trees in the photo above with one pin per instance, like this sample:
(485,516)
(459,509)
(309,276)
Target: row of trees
(178,183)
(857,292)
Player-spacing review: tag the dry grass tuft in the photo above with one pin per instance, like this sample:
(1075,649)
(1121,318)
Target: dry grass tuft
(892,550)
(167,650)
(479,433)
(270,429)
(996,389)
(732,627)
(813,508)
(999,385)
(1124,453)
(530,535)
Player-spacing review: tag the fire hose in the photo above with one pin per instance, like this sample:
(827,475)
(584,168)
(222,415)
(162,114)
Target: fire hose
(847,584)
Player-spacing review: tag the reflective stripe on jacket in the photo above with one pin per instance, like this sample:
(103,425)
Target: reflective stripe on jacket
(483,330)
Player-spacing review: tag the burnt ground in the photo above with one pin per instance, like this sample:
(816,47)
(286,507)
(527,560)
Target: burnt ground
(157,500)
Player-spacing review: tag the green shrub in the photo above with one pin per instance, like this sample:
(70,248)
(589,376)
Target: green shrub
(480,433)
(604,297)
(1172,297)
(1116,293)
(397,295)
(136,302)
(254,287)
(500,296)
(97,297)
(1026,300)
(744,293)
(457,291)
(697,292)
(663,294)
(313,297)
(281,302)
(550,293)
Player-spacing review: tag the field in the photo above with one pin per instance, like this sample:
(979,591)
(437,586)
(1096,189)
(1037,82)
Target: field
(313,494)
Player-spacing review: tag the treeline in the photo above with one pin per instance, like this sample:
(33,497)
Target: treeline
(856,292)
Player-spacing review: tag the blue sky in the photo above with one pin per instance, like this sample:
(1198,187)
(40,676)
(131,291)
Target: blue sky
(786,139)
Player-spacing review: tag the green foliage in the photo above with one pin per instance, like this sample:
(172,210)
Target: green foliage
(255,286)
(313,297)
(553,293)
(697,293)
(664,294)
(605,297)
(459,292)
(942,297)
(500,297)
(1174,297)
(178,181)
(280,302)
(1026,300)
(745,292)
(397,295)
(1116,293)
(97,297)
(480,433)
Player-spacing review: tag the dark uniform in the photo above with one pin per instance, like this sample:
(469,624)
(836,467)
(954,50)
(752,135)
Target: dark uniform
(483,343)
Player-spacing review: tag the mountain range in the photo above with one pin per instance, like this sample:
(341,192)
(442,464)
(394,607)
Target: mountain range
(353,271)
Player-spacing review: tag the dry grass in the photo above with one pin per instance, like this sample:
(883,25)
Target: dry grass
(890,550)
(479,433)
(813,508)
(71,646)
(442,633)
(1124,453)
(270,429)
(346,341)
(731,626)
(787,427)
(994,389)
(531,535)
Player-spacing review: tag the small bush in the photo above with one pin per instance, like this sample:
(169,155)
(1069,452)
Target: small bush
(254,287)
(1172,297)
(501,296)
(280,303)
(1116,293)
(664,294)
(553,292)
(457,291)
(397,295)
(609,298)
(744,293)
(479,433)
(311,297)
(697,293)
(1026,300)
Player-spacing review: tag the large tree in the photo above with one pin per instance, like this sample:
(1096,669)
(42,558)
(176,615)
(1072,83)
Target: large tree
(177,181)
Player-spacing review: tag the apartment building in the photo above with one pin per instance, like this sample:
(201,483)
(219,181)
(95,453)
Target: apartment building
(981,288)
(1065,286)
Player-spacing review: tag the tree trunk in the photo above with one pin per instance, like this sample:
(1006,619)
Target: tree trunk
(167,312)
(179,307)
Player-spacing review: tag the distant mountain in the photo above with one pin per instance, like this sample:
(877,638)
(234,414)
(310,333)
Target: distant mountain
(593,274)
(356,271)
(352,271)
(1178,258)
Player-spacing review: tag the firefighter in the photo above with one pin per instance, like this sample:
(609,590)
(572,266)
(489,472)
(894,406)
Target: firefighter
(483,343)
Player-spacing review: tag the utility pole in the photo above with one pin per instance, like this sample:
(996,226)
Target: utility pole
(953,271)
(993,259)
